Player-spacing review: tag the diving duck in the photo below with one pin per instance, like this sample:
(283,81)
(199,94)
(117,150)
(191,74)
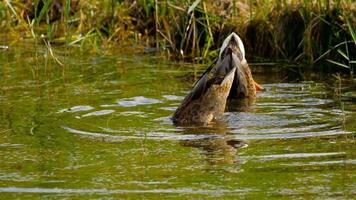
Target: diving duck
(230,77)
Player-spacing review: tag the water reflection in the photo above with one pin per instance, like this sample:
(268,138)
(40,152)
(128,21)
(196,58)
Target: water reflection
(238,105)
(218,148)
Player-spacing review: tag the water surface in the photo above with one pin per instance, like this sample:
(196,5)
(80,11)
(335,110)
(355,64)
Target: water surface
(99,126)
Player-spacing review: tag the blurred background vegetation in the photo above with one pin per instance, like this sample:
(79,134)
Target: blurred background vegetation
(314,32)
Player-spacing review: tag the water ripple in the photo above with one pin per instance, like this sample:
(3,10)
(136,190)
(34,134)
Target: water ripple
(136,101)
(76,109)
(156,135)
(291,135)
(118,191)
(99,113)
(329,162)
(301,155)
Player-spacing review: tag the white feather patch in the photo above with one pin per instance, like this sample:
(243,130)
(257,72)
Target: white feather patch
(226,42)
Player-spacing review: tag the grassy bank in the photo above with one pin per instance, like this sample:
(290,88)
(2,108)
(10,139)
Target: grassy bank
(319,32)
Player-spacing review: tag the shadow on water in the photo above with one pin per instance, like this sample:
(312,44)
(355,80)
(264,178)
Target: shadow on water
(102,127)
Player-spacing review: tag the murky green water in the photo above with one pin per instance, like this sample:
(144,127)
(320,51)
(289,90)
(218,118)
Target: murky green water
(99,127)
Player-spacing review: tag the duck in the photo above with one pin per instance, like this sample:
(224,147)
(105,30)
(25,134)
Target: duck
(229,78)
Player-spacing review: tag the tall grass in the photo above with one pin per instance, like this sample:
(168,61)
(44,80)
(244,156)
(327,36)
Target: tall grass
(306,31)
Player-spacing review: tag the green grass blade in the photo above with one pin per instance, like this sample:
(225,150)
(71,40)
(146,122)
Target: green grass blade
(11,8)
(331,49)
(193,6)
(44,10)
(352,31)
(343,54)
(338,64)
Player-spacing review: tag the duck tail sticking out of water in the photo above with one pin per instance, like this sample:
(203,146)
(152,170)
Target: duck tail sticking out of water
(243,85)
(230,77)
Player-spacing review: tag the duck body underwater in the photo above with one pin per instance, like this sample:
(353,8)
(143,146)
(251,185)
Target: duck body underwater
(230,77)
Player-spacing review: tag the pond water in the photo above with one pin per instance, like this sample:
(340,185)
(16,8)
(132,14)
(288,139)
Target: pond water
(99,127)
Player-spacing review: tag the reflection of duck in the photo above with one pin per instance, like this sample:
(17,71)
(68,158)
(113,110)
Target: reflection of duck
(216,144)
(218,149)
(230,77)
